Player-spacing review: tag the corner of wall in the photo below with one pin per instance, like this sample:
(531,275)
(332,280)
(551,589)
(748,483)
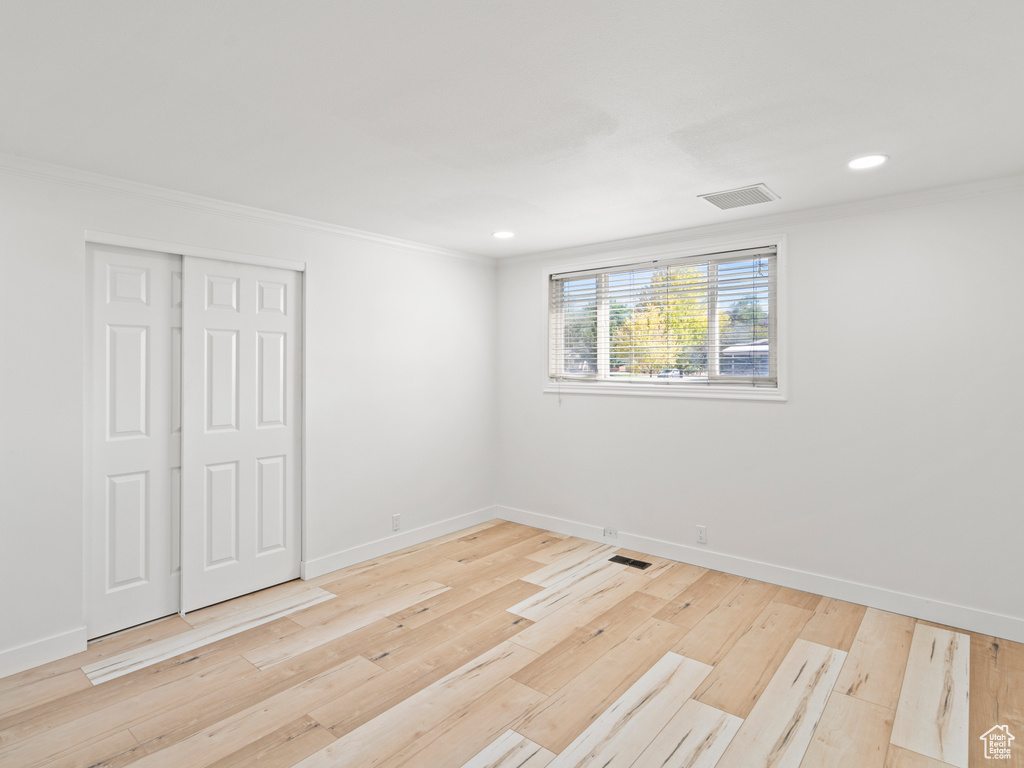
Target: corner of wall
(310,569)
(959,616)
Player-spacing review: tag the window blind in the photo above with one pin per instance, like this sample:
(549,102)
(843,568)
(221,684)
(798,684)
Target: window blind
(708,320)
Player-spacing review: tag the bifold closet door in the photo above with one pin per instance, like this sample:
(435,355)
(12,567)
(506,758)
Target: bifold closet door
(133,438)
(241,400)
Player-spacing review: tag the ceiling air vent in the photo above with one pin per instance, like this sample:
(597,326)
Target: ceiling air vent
(734,198)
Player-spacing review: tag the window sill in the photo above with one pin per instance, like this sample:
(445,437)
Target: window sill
(653,389)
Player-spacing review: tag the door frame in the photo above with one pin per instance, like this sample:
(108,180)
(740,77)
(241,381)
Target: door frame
(95,237)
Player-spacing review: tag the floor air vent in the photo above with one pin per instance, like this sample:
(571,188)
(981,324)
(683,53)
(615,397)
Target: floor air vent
(735,198)
(630,562)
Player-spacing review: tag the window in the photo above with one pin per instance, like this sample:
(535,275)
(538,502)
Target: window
(676,325)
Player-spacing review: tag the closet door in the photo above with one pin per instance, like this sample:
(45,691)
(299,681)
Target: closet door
(242,442)
(133,438)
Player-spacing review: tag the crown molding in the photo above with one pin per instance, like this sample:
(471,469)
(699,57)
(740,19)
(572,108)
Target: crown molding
(660,241)
(73,177)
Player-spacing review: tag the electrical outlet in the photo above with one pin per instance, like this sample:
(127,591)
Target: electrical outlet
(611,533)
(396,522)
(702,534)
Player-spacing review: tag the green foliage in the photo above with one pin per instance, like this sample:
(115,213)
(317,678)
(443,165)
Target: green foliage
(661,327)
(671,314)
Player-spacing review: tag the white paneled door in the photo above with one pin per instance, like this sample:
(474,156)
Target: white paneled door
(194,446)
(134,443)
(241,438)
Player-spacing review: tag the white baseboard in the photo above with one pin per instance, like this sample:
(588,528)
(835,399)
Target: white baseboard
(959,616)
(310,569)
(43,651)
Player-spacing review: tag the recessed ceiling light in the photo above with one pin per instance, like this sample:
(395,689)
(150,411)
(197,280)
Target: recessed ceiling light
(503,235)
(867,161)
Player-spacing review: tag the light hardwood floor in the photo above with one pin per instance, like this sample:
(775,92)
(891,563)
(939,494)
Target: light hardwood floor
(505,645)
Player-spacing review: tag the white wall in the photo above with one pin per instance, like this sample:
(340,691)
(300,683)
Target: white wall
(892,476)
(400,390)
(899,489)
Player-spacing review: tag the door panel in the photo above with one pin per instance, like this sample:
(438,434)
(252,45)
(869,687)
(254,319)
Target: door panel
(127,515)
(241,438)
(128,380)
(133,448)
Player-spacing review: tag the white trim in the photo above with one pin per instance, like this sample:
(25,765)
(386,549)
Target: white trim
(959,616)
(709,248)
(20,166)
(181,249)
(310,569)
(304,426)
(643,389)
(661,242)
(23,657)
(614,255)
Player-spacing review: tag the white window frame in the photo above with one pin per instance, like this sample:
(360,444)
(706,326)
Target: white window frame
(655,388)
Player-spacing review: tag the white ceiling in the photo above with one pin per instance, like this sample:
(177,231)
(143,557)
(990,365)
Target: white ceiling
(566,121)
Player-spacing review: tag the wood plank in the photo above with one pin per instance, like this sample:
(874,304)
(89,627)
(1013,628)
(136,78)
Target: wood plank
(568,712)
(715,635)
(135,659)
(932,715)
(551,630)
(484,543)
(374,563)
(92,726)
(42,691)
(673,580)
(834,623)
(1007,653)
(52,714)
(997,698)
(101,648)
(160,714)
(393,650)
(566,591)
(905,758)
(357,586)
(376,740)
(177,724)
(573,567)
(781,723)
(535,544)
(798,598)
(852,733)
(500,567)
(48,716)
(233,733)
(464,732)
(310,638)
(617,737)
(315,635)
(465,592)
(696,737)
(281,748)
(359,595)
(114,751)
(565,548)
(878,657)
(700,598)
(510,750)
(351,710)
(744,672)
(556,667)
(230,608)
